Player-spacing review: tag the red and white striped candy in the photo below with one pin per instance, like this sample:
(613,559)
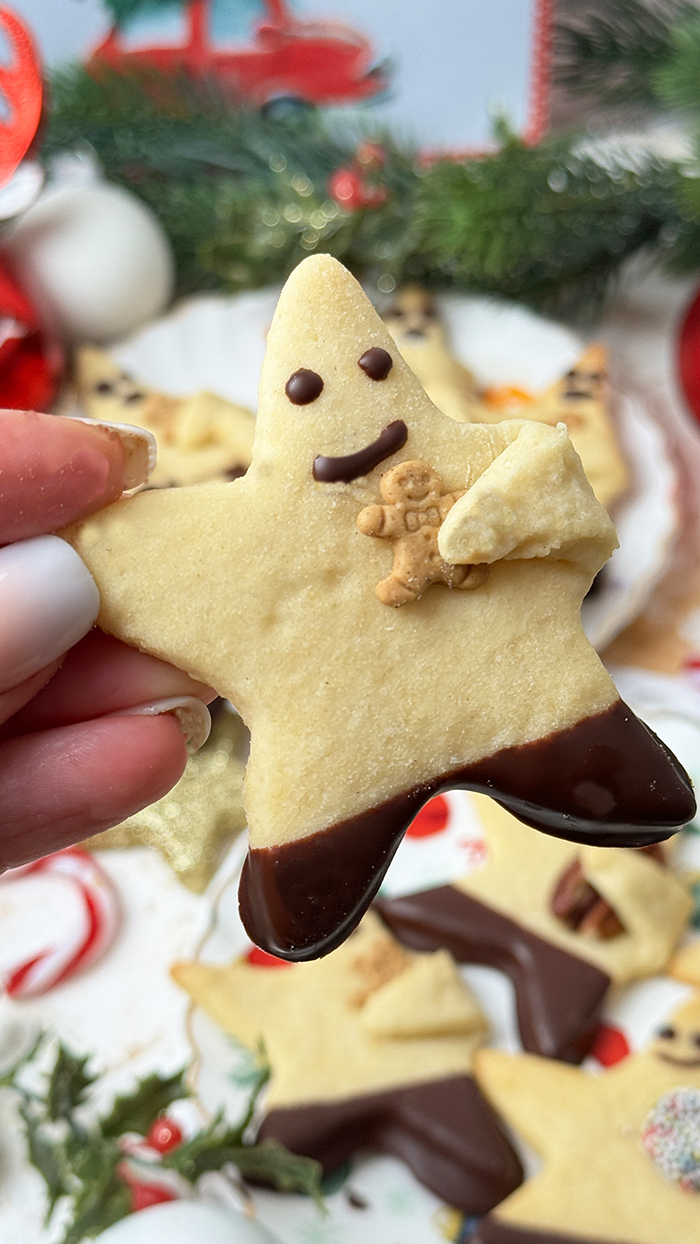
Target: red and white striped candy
(84,946)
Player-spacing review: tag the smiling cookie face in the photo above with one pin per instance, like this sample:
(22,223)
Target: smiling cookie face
(677,1043)
(265,589)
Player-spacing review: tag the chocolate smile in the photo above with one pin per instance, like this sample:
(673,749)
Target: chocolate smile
(352,466)
(680,1062)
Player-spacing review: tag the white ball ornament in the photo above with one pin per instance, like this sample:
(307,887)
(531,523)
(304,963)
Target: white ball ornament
(95,257)
(186,1222)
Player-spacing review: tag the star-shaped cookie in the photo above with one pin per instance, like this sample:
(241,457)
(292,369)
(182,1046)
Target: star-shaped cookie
(614,1146)
(196,821)
(202,437)
(563,922)
(265,589)
(370,1046)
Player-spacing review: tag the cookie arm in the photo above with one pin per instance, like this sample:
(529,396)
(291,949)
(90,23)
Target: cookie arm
(538,1097)
(532,501)
(651,902)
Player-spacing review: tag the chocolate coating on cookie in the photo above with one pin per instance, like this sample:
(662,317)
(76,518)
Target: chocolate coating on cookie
(303,387)
(376,363)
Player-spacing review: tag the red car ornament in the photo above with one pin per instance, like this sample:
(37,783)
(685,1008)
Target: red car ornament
(316,62)
(21,89)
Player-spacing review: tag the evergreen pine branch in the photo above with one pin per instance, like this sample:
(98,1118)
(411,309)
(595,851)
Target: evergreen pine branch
(676,81)
(613,55)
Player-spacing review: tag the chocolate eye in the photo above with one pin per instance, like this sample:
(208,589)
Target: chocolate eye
(303,386)
(394,313)
(666,1034)
(376,363)
(104,387)
(696,1039)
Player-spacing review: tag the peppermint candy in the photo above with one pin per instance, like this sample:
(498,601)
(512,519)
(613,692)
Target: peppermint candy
(101,918)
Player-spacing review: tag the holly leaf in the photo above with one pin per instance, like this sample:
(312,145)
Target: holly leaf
(98,1204)
(47,1155)
(134,1112)
(8,1077)
(268,1162)
(68,1083)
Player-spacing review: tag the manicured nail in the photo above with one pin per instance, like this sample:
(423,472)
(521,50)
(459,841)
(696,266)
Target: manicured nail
(140,449)
(193,717)
(48,601)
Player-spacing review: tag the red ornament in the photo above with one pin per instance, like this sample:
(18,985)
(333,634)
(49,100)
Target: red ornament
(431,819)
(610,1046)
(348,188)
(689,356)
(31,363)
(164,1135)
(20,84)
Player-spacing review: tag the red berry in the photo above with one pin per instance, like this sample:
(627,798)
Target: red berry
(164,1135)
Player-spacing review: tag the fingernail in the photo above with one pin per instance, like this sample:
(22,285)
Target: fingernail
(48,601)
(193,717)
(140,449)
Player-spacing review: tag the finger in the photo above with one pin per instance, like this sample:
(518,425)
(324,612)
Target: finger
(15,699)
(61,786)
(48,601)
(99,676)
(56,470)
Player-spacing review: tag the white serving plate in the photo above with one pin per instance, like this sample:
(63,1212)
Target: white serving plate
(218,343)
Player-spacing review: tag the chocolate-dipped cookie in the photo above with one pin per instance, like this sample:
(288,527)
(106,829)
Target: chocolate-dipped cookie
(359,708)
(370,1047)
(620,1150)
(563,922)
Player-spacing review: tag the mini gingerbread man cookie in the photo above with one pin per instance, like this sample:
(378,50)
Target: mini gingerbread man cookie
(620,1150)
(371,1046)
(564,923)
(264,589)
(411,518)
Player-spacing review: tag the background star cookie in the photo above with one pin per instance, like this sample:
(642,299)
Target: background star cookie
(199,438)
(370,1046)
(264,589)
(563,922)
(606,1176)
(414,322)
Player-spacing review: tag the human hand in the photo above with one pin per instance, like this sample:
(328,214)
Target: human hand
(87,738)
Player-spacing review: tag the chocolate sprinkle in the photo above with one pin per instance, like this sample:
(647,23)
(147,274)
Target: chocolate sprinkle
(303,386)
(376,363)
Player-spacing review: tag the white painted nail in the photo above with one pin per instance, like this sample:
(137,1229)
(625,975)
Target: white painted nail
(48,601)
(193,717)
(140,449)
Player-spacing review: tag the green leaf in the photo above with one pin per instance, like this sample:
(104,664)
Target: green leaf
(270,1162)
(9,1078)
(68,1083)
(134,1112)
(97,1205)
(47,1155)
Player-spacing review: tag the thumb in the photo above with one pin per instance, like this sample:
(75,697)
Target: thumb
(48,601)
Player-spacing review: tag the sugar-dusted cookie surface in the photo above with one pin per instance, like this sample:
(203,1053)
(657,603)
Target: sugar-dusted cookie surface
(370,1046)
(360,710)
(199,438)
(414,322)
(564,922)
(620,1150)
